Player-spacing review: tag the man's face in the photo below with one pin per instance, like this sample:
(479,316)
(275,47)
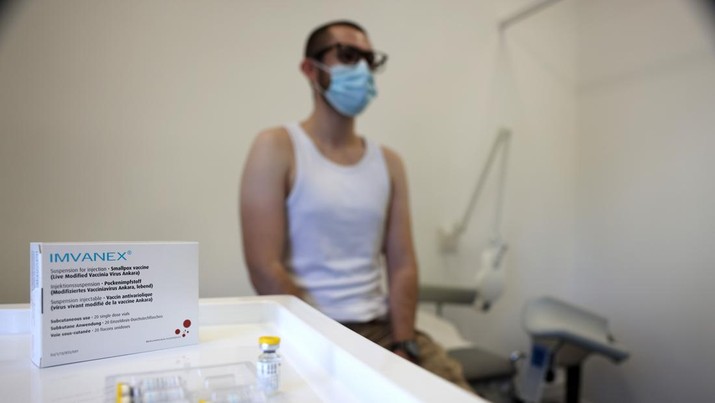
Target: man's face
(342,35)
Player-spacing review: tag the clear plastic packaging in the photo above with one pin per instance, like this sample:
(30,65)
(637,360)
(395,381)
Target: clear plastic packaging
(230,383)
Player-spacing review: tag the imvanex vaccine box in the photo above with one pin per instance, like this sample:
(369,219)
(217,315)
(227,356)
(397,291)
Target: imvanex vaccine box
(98,300)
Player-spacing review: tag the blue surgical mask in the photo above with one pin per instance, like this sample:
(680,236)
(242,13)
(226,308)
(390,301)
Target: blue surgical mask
(351,87)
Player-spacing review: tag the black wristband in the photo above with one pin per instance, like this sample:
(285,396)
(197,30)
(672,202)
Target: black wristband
(410,347)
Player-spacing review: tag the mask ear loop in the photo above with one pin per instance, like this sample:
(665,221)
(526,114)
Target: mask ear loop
(316,85)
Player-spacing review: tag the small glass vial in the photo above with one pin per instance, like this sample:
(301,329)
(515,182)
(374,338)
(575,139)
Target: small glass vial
(268,368)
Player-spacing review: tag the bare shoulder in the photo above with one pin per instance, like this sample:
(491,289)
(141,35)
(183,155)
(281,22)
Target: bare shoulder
(272,146)
(276,138)
(270,158)
(394,163)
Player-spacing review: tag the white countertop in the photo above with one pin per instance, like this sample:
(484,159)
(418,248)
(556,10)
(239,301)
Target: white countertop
(322,360)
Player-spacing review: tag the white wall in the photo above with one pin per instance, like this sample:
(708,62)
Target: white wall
(532,91)
(611,206)
(131,120)
(646,192)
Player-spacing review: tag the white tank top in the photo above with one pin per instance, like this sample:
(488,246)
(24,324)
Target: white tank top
(336,224)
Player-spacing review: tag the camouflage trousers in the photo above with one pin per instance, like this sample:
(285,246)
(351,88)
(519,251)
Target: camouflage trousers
(433,357)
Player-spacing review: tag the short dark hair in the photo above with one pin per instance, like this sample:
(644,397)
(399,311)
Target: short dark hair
(319,38)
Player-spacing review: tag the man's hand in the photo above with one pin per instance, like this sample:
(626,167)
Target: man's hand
(408,349)
(404,355)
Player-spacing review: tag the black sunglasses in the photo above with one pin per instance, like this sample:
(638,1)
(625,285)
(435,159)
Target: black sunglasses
(348,54)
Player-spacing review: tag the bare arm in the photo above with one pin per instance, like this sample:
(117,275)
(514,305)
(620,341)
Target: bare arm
(264,188)
(400,254)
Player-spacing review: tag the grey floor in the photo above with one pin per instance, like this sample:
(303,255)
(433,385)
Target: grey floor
(501,392)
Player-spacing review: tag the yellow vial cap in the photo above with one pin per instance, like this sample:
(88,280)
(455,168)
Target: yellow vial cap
(270,340)
(123,391)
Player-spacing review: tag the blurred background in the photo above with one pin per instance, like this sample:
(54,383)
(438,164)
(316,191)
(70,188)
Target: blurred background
(131,120)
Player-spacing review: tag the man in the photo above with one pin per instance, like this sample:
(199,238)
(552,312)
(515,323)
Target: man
(322,208)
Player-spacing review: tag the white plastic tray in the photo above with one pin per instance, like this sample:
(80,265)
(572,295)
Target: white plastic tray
(322,360)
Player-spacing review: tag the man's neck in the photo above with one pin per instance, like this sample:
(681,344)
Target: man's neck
(330,128)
